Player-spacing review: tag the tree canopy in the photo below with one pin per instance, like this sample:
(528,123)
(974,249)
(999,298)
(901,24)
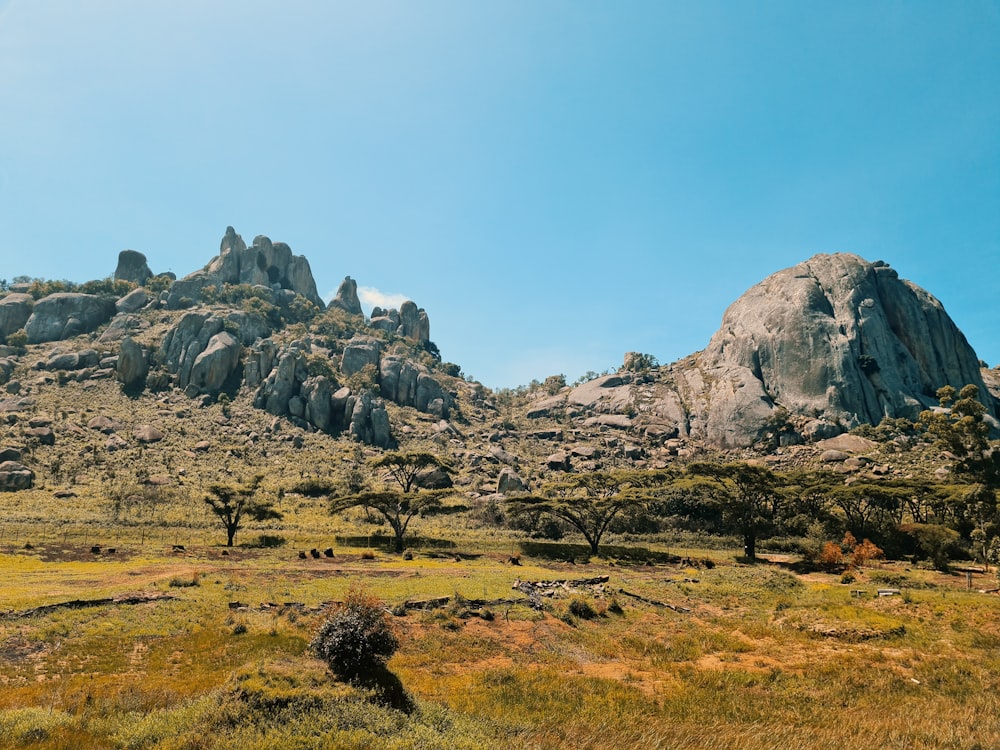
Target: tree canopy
(232,504)
(590,502)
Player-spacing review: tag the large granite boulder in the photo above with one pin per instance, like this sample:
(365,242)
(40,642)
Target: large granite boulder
(837,338)
(347,297)
(15,476)
(409,320)
(199,352)
(132,267)
(408,383)
(359,353)
(219,359)
(66,314)
(135,300)
(413,322)
(809,352)
(370,421)
(15,309)
(264,263)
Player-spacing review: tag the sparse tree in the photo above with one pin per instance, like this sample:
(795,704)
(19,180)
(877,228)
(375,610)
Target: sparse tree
(590,502)
(233,504)
(749,497)
(403,468)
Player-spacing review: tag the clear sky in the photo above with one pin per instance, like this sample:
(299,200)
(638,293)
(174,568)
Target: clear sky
(557,183)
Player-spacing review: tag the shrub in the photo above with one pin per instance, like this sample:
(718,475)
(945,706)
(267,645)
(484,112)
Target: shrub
(582,609)
(356,638)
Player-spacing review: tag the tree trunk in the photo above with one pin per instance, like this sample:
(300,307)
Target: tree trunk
(750,547)
(230,535)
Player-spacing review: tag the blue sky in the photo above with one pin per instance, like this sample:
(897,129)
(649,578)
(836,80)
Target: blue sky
(557,183)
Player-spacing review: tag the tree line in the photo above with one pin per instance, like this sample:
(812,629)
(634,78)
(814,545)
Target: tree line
(922,517)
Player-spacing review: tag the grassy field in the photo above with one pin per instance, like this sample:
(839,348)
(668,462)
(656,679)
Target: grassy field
(196,649)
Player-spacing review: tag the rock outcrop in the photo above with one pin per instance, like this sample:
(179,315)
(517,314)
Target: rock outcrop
(347,297)
(66,314)
(15,309)
(806,354)
(15,476)
(409,320)
(835,339)
(200,353)
(267,264)
(132,266)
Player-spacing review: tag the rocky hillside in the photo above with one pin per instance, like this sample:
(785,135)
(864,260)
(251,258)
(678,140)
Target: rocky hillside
(807,354)
(810,352)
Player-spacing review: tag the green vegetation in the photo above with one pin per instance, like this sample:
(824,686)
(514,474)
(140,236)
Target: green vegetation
(232,504)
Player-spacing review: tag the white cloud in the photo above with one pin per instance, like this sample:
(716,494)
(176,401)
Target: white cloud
(371,297)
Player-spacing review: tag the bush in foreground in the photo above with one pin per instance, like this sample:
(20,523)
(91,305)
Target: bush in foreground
(357,637)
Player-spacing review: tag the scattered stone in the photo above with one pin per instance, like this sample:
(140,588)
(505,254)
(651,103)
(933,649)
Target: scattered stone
(146,433)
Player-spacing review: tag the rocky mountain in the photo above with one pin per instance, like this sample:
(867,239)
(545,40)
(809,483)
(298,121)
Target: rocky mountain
(809,353)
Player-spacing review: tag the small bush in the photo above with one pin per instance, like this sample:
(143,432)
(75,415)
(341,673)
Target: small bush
(177,582)
(356,638)
(582,609)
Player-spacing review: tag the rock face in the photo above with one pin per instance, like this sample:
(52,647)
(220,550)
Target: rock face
(347,297)
(15,309)
(806,354)
(265,263)
(132,267)
(214,365)
(836,339)
(66,314)
(200,353)
(134,300)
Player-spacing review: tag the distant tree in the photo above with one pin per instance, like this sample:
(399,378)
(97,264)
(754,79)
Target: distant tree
(233,504)
(397,508)
(403,468)
(590,502)
(748,495)
(960,428)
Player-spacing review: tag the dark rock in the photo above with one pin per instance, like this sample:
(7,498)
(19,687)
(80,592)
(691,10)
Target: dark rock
(9,454)
(44,435)
(147,433)
(433,479)
(15,476)
(132,366)
(509,483)
(132,267)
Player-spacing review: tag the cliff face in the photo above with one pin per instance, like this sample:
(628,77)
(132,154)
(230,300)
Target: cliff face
(807,353)
(838,339)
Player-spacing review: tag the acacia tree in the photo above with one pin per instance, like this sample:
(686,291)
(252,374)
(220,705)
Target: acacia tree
(397,507)
(748,495)
(590,502)
(403,468)
(232,504)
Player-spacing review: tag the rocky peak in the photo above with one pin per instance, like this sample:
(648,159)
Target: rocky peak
(347,297)
(264,263)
